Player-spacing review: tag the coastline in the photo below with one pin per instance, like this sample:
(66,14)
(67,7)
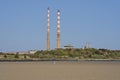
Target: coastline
(83,60)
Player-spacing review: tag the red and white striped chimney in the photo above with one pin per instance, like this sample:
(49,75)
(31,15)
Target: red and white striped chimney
(58,29)
(48,30)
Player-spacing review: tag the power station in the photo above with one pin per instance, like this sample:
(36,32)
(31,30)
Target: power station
(48,29)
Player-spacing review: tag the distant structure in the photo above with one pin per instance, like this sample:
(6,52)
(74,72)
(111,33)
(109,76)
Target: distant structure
(32,51)
(58,29)
(87,45)
(69,46)
(48,30)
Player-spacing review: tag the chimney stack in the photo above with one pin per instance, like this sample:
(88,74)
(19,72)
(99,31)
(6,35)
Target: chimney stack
(48,30)
(58,29)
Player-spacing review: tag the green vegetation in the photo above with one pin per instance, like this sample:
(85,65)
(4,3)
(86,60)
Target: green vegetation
(17,55)
(90,53)
(65,54)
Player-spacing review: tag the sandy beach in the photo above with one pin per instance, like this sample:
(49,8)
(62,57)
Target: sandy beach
(60,71)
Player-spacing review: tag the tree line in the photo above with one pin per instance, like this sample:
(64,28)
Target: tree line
(90,53)
(70,54)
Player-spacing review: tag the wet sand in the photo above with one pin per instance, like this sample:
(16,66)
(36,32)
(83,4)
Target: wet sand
(60,71)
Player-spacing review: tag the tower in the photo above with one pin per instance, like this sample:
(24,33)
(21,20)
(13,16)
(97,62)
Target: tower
(48,30)
(58,29)
(87,45)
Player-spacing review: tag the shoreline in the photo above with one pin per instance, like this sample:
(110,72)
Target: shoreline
(89,60)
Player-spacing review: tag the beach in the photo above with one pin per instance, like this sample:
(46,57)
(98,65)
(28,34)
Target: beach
(60,70)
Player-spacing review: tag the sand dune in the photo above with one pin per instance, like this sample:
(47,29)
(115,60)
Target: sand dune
(60,71)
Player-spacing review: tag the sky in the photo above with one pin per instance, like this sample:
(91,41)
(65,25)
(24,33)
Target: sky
(23,24)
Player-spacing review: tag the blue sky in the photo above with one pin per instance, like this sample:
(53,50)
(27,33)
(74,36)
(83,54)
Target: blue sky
(23,23)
